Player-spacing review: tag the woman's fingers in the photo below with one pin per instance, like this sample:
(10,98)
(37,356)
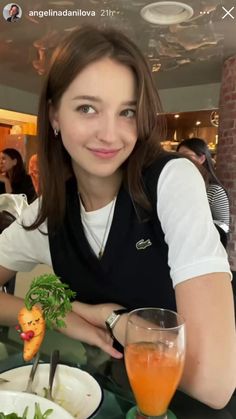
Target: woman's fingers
(79,328)
(105,343)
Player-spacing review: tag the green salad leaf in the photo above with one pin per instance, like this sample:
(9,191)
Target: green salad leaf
(53,296)
(37,414)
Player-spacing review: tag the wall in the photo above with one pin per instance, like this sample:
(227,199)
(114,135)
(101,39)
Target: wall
(18,100)
(226,154)
(4,132)
(190,98)
(182,99)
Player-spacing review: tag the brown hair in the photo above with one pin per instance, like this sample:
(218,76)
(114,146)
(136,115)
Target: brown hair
(75,52)
(18,171)
(200,148)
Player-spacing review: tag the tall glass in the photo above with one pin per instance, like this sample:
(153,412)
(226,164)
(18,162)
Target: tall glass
(154,359)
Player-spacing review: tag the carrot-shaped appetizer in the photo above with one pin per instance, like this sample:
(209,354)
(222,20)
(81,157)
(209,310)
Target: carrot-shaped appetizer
(46,303)
(33,328)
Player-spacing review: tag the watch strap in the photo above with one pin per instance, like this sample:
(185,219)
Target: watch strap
(113,319)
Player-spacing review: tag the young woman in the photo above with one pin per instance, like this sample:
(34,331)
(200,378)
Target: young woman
(127,225)
(198,151)
(13,13)
(14,175)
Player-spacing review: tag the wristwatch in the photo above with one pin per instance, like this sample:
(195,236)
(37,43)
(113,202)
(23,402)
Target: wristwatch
(113,318)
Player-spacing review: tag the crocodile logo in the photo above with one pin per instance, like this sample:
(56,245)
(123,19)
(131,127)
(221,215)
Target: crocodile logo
(143,244)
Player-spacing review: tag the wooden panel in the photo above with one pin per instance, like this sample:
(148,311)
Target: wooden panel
(17,142)
(4,132)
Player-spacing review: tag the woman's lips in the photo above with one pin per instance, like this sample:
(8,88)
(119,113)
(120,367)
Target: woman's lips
(103,153)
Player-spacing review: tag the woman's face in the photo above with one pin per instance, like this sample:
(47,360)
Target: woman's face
(6,163)
(96,118)
(13,11)
(193,156)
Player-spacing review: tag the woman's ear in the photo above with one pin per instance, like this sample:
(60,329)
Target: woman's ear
(53,117)
(202,159)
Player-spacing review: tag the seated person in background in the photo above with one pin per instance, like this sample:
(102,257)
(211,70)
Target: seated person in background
(122,222)
(2,183)
(34,171)
(14,175)
(197,150)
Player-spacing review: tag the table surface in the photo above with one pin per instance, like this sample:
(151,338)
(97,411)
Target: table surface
(108,372)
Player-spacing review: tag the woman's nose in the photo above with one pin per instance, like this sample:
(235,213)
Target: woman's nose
(108,129)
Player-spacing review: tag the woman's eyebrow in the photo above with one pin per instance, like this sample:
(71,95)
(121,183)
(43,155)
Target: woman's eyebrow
(130,103)
(87,97)
(97,99)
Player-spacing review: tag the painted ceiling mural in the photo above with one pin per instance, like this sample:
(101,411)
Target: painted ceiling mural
(176,51)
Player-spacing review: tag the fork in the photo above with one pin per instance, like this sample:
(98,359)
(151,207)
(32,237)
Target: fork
(29,388)
(54,360)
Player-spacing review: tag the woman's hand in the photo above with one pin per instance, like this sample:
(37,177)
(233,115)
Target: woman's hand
(97,314)
(79,328)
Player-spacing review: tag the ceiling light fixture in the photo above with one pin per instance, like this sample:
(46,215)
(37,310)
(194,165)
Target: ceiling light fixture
(166,12)
(156,67)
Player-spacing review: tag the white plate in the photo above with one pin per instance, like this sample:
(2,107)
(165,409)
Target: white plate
(16,402)
(73,389)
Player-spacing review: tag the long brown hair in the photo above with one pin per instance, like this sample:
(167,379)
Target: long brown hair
(200,148)
(17,172)
(78,50)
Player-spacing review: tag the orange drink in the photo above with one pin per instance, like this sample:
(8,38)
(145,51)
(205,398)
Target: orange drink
(154,375)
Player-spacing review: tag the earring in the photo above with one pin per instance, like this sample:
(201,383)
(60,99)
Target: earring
(55,132)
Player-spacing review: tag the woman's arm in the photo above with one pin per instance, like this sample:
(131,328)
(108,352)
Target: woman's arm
(10,305)
(79,328)
(206,303)
(76,327)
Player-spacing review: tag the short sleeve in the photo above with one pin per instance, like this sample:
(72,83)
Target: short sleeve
(22,250)
(194,246)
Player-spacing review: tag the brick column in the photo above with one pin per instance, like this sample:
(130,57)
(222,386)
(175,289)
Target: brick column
(226,150)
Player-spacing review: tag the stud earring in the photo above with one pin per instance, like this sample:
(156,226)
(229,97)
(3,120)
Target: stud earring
(56,132)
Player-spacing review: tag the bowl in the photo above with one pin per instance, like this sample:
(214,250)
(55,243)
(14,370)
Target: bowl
(73,389)
(16,402)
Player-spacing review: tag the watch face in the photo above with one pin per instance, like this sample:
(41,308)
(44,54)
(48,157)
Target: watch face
(112,319)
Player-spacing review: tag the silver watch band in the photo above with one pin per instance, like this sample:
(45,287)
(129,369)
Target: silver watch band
(113,319)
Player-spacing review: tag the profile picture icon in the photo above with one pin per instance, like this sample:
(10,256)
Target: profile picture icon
(12,12)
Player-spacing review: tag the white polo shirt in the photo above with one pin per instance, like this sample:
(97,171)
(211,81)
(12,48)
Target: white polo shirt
(182,207)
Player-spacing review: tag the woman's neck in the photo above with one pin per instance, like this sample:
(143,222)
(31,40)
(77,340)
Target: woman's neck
(96,193)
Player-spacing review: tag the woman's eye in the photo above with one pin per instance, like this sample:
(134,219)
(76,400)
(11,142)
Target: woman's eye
(128,113)
(86,109)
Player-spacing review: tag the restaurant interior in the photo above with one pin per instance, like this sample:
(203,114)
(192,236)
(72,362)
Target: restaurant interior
(186,59)
(186,47)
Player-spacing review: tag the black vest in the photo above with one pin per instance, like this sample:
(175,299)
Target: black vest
(130,273)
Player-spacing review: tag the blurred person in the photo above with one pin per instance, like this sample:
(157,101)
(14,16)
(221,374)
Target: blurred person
(11,207)
(2,184)
(14,175)
(34,171)
(13,13)
(111,195)
(197,150)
